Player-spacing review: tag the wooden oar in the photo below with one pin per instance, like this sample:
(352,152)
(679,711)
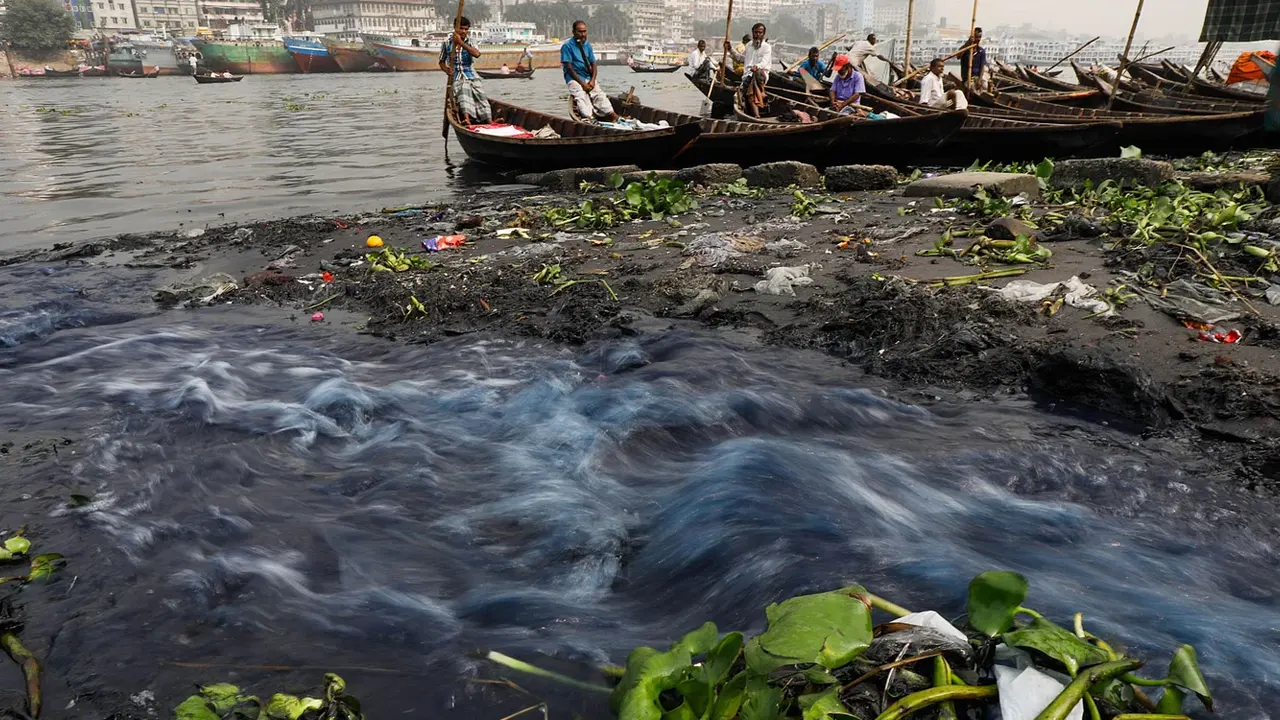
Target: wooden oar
(1073,54)
(724,57)
(457,57)
(925,69)
(1137,15)
(821,47)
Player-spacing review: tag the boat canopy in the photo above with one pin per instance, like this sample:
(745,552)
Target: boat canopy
(1241,21)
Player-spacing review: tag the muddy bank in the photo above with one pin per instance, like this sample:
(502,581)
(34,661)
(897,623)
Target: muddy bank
(865,296)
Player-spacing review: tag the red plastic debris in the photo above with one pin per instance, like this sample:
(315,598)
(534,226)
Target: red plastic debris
(317,317)
(326,276)
(1231,337)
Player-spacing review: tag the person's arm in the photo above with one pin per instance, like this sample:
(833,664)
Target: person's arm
(733,53)
(446,52)
(766,56)
(831,96)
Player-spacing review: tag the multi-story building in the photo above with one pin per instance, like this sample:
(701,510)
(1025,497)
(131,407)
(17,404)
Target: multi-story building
(82,12)
(709,10)
(891,16)
(219,15)
(112,16)
(679,21)
(647,19)
(824,19)
(858,16)
(346,19)
(176,17)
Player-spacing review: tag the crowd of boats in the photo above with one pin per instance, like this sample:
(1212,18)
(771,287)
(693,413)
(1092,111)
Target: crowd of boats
(1022,114)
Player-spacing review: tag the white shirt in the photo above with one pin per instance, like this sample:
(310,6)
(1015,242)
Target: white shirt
(697,57)
(931,91)
(860,51)
(760,58)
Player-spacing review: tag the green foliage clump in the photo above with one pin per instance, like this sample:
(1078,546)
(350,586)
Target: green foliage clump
(36,26)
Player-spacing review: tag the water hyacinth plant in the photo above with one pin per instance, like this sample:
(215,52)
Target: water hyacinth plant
(821,657)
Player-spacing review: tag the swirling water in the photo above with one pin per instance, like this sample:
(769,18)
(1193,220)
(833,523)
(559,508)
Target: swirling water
(291,496)
(85,158)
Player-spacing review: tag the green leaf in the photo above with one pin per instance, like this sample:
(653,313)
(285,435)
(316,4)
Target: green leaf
(1044,170)
(721,658)
(818,676)
(700,641)
(16,545)
(761,701)
(729,701)
(222,696)
(195,708)
(1172,700)
(698,695)
(1184,671)
(79,500)
(42,566)
(824,706)
(1131,151)
(994,598)
(655,672)
(1058,643)
(829,629)
(291,707)
(635,195)
(615,180)
(635,663)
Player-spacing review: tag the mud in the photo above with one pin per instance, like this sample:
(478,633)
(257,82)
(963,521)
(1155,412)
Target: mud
(867,303)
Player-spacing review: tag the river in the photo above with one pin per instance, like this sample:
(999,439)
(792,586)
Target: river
(89,157)
(267,494)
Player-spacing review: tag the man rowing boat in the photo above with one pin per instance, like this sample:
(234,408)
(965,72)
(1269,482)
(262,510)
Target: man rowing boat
(756,59)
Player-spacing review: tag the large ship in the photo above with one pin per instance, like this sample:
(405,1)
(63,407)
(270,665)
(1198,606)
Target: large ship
(352,56)
(249,49)
(426,55)
(135,54)
(311,55)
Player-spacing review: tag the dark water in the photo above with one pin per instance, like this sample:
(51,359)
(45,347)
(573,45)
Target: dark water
(270,494)
(131,156)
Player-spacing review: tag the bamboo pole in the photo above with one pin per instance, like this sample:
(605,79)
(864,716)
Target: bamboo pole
(457,57)
(724,54)
(1124,64)
(911,17)
(1150,55)
(973,25)
(821,47)
(1077,52)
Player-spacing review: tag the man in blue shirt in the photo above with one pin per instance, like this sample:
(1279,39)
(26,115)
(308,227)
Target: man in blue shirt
(847,86)
(468,94)
(812,65)
(579,63)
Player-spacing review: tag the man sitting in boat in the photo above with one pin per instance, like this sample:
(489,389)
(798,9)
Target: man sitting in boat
(700,62)
(756,60)
(504,69)
(847,86)
(468,93)
(579,62)
(933,94)
(812,65)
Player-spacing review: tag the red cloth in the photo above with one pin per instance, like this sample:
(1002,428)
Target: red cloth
(1246,70)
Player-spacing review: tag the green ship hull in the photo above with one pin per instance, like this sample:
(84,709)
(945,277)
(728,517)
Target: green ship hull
(245,57)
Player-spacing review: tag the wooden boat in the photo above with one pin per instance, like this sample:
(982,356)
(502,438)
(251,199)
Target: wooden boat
(94,72)
(1175,72)
(1266,66)
(1049,83)
(579,144)
(513,75)
(899,141)
(744,143)
(1200,86)
(48,74)
(651,67)
(215,79)
(1161,103)
(153,73)
(1197,89)
(722,94)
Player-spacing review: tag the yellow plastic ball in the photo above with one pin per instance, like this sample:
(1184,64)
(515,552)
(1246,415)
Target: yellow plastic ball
(373,241)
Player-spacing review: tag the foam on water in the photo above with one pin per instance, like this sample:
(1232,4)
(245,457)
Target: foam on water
(418,503)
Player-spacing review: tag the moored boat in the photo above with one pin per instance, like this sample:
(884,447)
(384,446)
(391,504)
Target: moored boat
(310,54)
(578,144)
(407,58)
(148,73)
(349,56)
(217,79)
(497,75)
(744,143)
(648,67)
(241,57)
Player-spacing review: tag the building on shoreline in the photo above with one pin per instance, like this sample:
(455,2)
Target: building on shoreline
(176,17)
(347,19)
(220,15)
(113,16)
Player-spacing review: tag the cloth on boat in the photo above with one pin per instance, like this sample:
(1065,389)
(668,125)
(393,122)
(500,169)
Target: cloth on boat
(584,100)
(1246,70)
(752,88)
(471,101)
(501,130)
(463,68)
(1241,21)
(633,124)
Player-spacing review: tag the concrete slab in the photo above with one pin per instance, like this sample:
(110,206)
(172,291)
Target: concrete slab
(963,185)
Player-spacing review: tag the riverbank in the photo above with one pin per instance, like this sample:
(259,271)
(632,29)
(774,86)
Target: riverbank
(864,269)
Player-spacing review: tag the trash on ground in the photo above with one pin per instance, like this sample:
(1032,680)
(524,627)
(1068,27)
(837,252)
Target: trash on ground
(784,280)
(513,232)
(317,317)
(199,292)
(1076,293)
(1025,693)
(374,241)
(443,242)
(193,233)
(1185,300)
(1215,335)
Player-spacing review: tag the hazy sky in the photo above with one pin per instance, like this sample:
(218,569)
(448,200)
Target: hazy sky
(1099,17)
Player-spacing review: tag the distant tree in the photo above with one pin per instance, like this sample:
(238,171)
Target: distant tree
(447,11)
(715,29)
(37,26)
(609,24)
(786,28)
(554,19)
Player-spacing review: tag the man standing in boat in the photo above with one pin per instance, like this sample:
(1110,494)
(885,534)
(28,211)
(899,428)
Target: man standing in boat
(579,62)
(973,61)
(864,49)
(468,94)
(756,61)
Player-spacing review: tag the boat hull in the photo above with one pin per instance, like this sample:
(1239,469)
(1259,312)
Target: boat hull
(407,58)
(311,56)
(246,58)
(350,57)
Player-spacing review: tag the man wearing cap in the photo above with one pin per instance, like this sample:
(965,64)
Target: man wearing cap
(847,86)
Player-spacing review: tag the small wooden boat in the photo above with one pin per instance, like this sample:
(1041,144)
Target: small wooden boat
(722,94)
(1162,103)
(651,67)
(49,74)
(93,72)
(1048,83)
(154,73)
(497,75)
(579,144)
(744,143)
(215,79)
